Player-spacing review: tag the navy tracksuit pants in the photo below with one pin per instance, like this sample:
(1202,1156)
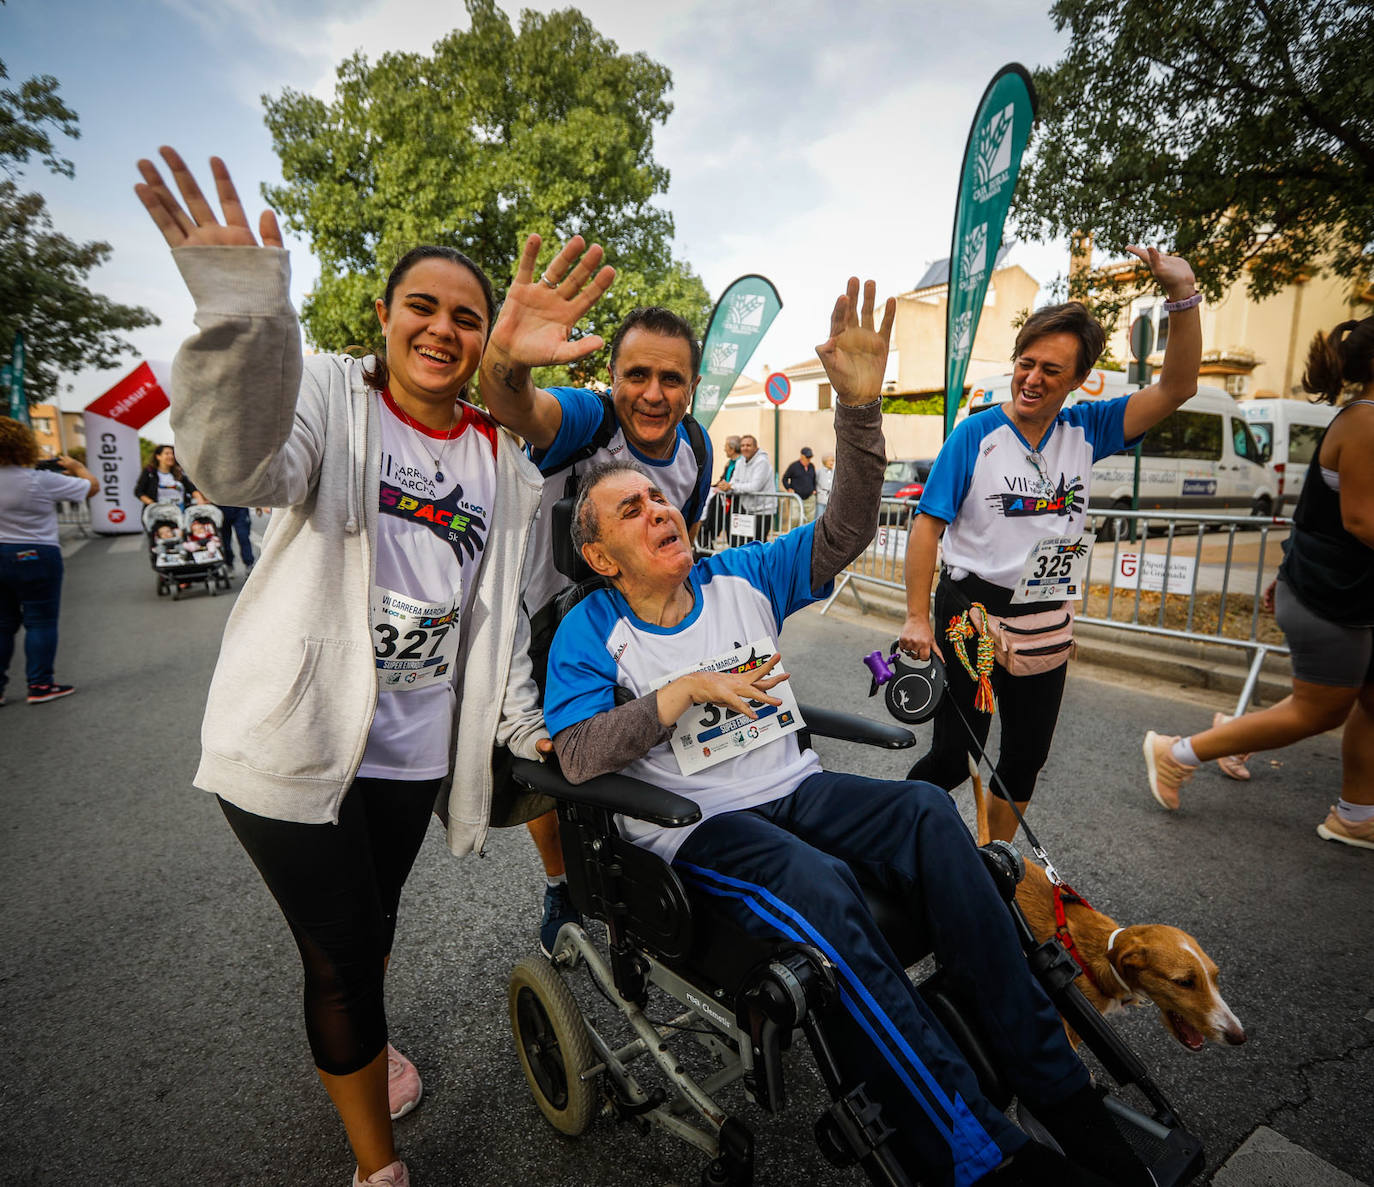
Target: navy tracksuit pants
(786,869)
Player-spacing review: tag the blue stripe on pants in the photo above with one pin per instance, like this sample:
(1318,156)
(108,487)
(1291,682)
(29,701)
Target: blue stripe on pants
(788,868)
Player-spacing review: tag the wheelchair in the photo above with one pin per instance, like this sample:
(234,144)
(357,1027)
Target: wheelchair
(745,1001)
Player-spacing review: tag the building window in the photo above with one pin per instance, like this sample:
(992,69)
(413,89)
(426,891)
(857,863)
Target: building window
(42,424)
(1236,385)
(823,397)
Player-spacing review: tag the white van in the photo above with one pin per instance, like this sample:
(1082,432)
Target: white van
(1287,433)
(1200,458)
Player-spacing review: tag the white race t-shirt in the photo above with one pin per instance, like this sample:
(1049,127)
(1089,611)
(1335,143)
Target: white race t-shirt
(740,598)
(170,489)
(1000,496)
(431,537)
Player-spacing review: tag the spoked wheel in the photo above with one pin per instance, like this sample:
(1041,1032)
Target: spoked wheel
(552,1042)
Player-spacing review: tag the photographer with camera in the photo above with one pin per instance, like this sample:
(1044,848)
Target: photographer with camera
(30,560)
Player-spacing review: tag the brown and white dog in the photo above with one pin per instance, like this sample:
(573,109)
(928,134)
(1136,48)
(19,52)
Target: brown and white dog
(1124,966)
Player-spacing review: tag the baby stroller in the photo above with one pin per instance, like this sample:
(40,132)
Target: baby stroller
(185,548)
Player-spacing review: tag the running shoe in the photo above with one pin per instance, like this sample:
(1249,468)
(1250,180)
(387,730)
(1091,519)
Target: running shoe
(1333,828)
(403,1087)
(558,910)
(394,1175)
(1165,773)
(1232,765)
(38,693)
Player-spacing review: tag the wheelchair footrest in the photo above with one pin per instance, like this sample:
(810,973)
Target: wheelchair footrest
(1174,1155)
(851,1129)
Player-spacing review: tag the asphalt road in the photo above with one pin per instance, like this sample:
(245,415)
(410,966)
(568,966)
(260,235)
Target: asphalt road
(149,1002)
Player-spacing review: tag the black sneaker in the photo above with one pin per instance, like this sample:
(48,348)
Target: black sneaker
(38,693)
(558,910)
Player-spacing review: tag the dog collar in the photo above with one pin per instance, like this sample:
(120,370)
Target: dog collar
(1132,994)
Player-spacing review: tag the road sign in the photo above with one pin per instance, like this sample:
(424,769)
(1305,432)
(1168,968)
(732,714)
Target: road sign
(1142,338)
(777,387)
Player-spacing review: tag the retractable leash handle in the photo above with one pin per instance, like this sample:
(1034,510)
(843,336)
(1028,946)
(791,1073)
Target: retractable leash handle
(914,686)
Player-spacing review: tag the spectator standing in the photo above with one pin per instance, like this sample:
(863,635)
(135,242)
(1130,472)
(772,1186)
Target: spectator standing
(800,479)
(716,521)
(753,476)
(825,477)
(238,522)
(164,481)
(30,558)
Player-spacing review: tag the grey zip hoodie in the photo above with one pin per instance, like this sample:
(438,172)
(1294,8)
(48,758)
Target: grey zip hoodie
(295,687)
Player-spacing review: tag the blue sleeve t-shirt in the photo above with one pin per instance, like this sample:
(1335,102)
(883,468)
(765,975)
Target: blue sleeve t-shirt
(740,596)
(677,476)
(1000,495)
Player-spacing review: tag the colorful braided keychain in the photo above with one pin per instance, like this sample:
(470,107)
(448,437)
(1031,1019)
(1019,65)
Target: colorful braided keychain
(960,628)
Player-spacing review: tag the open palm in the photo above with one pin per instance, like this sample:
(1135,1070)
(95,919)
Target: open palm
(855,355)
(195,225)
(536,322)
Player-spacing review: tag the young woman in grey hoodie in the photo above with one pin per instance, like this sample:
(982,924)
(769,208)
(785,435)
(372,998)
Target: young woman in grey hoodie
(377,653)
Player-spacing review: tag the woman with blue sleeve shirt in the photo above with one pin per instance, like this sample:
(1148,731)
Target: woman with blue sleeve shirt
(1005,480)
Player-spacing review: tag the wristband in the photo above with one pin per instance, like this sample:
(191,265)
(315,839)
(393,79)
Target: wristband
(1186,303)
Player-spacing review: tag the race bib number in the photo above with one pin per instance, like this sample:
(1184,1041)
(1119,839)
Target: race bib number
(1056,569)
(415,642)
(709,734)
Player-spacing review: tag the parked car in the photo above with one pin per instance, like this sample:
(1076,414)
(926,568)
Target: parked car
(904,480)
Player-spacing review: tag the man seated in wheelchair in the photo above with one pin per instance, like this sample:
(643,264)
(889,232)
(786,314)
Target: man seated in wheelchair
(780,839)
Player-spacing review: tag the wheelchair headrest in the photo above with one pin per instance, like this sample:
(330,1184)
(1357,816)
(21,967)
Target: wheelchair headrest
(566,559)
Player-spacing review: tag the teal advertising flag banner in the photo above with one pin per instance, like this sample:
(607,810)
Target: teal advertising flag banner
(739,321)
(992,161)
(14,380)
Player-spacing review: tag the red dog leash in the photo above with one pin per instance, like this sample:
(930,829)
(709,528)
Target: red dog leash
(1062,892)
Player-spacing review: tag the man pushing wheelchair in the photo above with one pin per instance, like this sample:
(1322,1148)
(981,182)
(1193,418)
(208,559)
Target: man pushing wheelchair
(673,675)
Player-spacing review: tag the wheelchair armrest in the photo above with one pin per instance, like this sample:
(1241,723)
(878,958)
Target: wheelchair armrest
(616,793)
(849,727)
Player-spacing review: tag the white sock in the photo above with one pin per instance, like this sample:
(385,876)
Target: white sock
(556,880)
(1182,751)
(1354,813)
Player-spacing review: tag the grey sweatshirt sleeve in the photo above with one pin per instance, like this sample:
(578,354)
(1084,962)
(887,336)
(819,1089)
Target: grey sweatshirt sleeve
(846,526)
(247,428)
(611,740)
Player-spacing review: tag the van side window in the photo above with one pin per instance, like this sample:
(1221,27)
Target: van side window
(1242,442)
(1197,435)
(1302,443)
(1263,433)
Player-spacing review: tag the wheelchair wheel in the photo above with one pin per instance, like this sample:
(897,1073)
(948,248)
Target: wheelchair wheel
(552,1042)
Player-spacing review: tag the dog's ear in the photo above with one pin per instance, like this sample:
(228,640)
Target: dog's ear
(1132,953)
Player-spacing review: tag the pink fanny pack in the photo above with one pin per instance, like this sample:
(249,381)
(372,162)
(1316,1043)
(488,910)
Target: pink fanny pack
(1030,643)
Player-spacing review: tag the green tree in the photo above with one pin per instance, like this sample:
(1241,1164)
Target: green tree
(1238,132)
(496,134)
(42,273)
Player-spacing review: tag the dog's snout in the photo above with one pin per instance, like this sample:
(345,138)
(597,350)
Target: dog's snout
(1234,1035)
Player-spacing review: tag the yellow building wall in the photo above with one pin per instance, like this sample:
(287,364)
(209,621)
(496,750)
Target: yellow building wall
(919,331)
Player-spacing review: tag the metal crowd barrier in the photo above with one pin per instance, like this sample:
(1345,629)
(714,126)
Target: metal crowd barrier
(785,512)
(76,515)
(1160,539)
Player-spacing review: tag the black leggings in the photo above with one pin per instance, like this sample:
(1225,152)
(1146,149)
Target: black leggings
(339,886)
(1027,707)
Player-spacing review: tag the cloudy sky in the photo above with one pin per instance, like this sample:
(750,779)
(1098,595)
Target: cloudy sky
(809,140)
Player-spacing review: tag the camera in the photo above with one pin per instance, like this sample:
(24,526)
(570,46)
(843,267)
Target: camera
(50,463)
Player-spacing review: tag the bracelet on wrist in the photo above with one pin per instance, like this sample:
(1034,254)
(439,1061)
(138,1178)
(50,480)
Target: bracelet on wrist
(1185,303)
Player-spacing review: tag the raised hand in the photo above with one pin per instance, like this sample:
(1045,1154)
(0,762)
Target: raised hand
(855,355)
(533,327)
(1172,273)
(196,225)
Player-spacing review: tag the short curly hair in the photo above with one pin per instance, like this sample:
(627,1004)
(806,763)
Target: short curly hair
(18,446)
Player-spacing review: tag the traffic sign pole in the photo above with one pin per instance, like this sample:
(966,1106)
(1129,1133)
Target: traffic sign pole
(1142,342)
